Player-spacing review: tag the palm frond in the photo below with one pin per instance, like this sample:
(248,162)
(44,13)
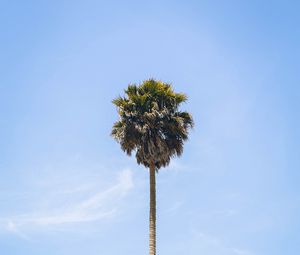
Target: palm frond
(150,122)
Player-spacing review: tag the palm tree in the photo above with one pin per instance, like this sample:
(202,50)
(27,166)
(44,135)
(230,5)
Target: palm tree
(152,127)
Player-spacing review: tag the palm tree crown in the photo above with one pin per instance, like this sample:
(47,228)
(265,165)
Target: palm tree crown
(151,124)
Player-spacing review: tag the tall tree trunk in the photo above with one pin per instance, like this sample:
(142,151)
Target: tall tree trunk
(152,216)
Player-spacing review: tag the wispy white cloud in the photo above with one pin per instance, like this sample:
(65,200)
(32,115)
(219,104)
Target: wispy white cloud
(11,227)
(98,206)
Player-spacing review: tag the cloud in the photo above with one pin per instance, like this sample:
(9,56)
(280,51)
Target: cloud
(11,227)
(97,206)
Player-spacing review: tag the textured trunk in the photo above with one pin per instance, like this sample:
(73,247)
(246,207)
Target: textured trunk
(152,216)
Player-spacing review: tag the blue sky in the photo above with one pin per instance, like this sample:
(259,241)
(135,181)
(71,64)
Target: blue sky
(65,185)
